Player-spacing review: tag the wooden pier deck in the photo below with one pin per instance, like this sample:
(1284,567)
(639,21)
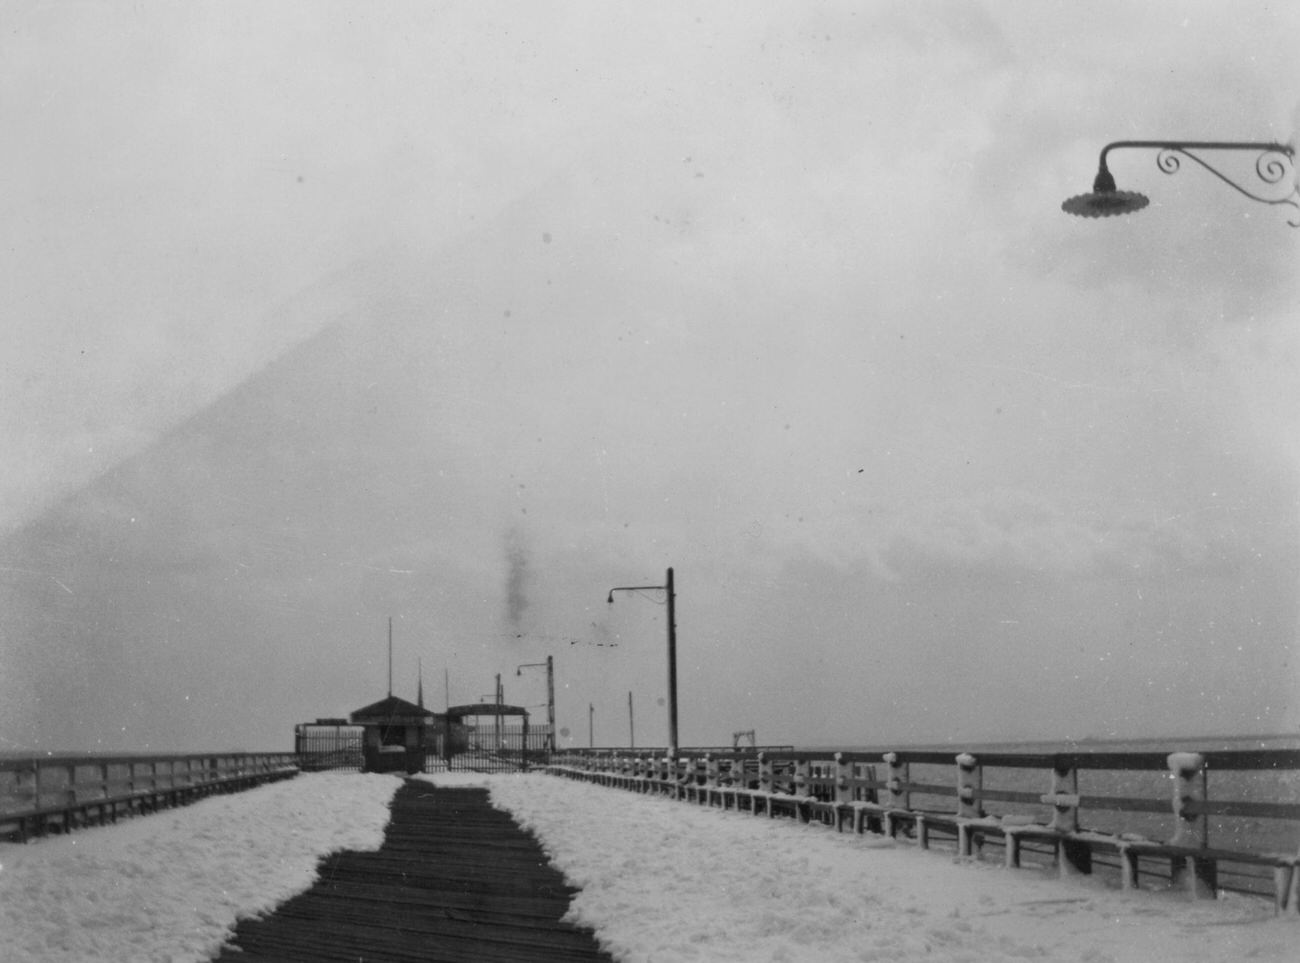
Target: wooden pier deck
(455,880)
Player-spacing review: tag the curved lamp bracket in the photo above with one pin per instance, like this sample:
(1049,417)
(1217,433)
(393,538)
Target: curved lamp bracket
(1274,167)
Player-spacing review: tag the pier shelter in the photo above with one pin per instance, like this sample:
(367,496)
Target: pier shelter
(396,735)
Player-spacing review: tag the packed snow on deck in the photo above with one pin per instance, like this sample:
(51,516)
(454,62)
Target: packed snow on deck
(672,881)
(662,881)
(169,886)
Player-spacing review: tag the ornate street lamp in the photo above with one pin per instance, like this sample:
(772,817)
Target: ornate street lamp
(667,589)
(1272,167)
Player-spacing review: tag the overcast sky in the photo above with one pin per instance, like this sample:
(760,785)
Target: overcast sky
(464,313)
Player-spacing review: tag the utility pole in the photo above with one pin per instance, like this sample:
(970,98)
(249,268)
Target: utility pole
(668,589)
(550,701)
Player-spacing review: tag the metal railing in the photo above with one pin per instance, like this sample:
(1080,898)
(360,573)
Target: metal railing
(1140,814)
(40,794)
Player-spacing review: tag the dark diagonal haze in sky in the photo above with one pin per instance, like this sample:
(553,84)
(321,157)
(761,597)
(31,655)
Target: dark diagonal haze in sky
(461,314)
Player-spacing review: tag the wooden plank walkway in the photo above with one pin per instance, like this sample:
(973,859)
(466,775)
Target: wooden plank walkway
(455,880)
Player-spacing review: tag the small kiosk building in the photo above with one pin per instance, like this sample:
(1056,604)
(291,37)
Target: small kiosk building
(396,735)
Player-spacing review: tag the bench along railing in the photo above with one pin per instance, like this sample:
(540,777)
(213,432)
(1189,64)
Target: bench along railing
(40,794)
(1147,814)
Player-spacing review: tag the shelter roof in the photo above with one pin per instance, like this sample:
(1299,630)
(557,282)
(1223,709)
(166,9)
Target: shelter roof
(485,709)
(390,710)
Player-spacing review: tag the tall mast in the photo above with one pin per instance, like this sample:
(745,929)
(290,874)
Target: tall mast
(390,657)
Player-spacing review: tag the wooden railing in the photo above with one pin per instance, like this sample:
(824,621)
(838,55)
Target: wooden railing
(1135,813)
(41,794)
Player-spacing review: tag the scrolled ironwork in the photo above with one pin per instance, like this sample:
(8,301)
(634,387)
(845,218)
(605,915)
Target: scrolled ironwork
(1271,167)
(1167,160)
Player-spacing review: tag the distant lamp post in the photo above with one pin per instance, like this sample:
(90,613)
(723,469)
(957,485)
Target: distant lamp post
(667,589)
(549,665)
(1272,166)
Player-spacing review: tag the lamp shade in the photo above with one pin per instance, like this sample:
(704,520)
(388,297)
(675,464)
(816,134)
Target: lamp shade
(1105,203)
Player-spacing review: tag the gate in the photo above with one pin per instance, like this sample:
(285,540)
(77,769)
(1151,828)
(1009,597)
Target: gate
(479,739)
(327,744)
(486,747)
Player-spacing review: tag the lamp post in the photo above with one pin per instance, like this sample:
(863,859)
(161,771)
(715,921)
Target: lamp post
(550,696)
(591,725)
(666,588)
(501,697)
(1271,167)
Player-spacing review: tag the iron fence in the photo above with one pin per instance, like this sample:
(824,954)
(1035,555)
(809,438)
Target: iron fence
(327,746)
(488,747)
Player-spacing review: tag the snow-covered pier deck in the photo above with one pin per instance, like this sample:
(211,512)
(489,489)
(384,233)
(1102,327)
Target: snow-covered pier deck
(455,879)
(654,879)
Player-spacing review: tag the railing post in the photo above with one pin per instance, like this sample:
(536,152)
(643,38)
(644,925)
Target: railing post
(1063,797)
(844,793)
(799,786)
(1072,857)
(899,796)
(1186,768)
(1188,771)
(843,773)
(799,782)
(682,771)
(105,792)
(765,781)
(37,803)
(970,780)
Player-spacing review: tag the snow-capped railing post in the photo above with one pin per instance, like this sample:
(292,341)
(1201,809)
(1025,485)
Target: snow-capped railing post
(1187,768)
(970,780)
(843,773)
(1072,858)
(711,772)
(766,784)
(1063,797)
(900,798)
(799,785)
(1188,771)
